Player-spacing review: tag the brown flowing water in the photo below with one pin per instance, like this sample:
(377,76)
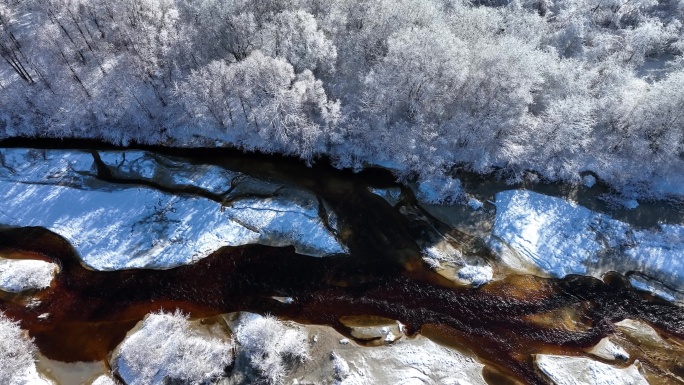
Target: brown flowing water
(504,322)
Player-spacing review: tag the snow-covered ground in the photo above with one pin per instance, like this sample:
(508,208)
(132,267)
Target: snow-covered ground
(114,226)
(66,168)
(250,348)
(547,235)
(168,172)
(270,351)
(583,371)
(333,359)
(414,361)
(17,275)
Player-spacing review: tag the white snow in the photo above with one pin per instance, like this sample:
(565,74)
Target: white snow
(608,350)
(442,252)
(476,275)
(286,223)
(406,362)
(104,380)
(550,233)
(285,300)
(564,370)
(17,275)
(124,226)
(168,347)
(275,352)
(644,333)
(386,330)
(560,238)
(168,172)
(46,166)
(660,251)
(17,356)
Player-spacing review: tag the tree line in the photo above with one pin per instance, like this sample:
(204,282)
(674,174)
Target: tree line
(557,88)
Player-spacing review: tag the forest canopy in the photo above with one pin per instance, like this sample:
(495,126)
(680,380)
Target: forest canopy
(555,88)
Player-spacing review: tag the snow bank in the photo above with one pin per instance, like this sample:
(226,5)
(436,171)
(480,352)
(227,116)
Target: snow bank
(126,226)
(407,361)
(534,231)
(287,223)
(269,351)
(548,232)
(70,168)
(168,347)
(168,172)
(583,371)
(17,275)
(660,251)
(656,288)
(17,356)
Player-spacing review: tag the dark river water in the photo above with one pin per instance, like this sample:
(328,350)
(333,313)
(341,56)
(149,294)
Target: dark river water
(504,322)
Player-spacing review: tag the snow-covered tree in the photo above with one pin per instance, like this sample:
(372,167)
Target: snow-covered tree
(17,355)
(419,79)
(556,87)
(294,36)
(271,346)
(168,348)
(262,99)
(10,48)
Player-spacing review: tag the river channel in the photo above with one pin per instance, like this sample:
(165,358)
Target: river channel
(504,322)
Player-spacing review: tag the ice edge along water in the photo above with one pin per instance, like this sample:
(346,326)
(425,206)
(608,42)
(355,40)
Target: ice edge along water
(563,370)
(534,231)
(116,226)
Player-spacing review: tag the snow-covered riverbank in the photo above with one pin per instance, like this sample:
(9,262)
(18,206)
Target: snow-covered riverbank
(135,225)
(142,210)
(533,232)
